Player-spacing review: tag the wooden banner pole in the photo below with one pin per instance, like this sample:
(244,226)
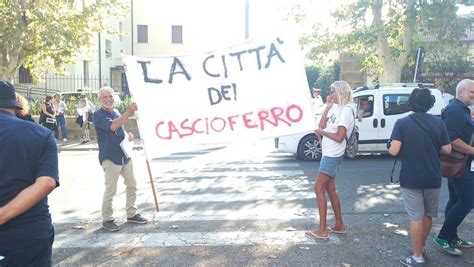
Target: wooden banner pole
(152,186)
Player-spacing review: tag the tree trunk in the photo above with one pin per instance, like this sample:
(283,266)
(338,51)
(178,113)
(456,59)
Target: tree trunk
(6,73)
(392,67)
(392,73)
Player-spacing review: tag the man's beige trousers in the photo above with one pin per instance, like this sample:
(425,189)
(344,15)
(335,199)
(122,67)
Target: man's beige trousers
(112,173)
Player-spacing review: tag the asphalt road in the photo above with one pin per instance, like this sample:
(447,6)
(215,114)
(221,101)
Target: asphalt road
(236,206)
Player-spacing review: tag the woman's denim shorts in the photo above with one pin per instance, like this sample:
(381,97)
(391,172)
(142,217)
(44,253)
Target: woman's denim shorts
(330,165)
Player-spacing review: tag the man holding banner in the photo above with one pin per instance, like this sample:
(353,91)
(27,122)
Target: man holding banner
(114,156)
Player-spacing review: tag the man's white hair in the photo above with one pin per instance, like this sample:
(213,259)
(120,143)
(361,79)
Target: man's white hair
(463,86)
(105,89)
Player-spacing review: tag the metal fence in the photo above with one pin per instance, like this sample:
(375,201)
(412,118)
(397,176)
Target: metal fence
(50,84)
(31,93)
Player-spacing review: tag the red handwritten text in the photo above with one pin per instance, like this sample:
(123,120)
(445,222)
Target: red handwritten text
(260,120)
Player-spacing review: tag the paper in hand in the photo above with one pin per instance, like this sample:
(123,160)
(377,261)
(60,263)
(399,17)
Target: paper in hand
(127,147)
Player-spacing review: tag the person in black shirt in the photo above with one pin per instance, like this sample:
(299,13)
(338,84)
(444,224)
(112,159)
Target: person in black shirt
(29,172)
(48,115)
(418,139)
(461,191)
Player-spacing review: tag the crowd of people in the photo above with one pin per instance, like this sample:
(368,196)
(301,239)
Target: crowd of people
(30,174)
(53,115)
(418,140)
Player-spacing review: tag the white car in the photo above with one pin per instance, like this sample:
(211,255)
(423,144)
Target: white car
(383,106)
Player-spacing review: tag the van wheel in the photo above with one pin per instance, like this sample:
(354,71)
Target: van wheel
(309,148)
(351,152)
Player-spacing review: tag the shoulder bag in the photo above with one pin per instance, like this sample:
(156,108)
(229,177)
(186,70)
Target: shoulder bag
(351,141)
(452,165)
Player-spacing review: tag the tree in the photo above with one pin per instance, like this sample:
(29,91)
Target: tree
(312,74)
(328,74)
(446,57)
(386,42)
(48,34)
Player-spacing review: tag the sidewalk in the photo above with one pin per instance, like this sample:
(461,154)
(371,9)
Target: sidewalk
(75,145)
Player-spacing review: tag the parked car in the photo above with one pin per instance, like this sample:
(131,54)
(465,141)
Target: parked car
(378,107)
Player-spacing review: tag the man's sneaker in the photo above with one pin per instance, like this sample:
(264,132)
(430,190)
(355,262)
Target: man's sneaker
(64,140)
(111,226)
(410,261)
(137,218)
(459,243)
(446,247)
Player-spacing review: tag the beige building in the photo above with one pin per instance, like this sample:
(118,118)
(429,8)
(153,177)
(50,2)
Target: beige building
(161,28)
(178,27)
(99,65)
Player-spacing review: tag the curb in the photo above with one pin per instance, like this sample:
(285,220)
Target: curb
(91,146)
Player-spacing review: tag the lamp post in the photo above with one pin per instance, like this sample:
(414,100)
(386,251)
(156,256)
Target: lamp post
(247,18)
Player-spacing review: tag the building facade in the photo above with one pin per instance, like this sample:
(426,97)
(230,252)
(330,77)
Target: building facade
(151,28)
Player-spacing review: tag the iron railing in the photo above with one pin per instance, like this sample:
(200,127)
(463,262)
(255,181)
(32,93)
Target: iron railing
(49,84)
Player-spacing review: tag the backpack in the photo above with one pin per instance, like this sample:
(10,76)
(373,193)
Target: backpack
(351,141)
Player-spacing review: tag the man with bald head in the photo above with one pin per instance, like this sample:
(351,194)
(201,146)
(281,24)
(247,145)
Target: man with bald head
(461,191)
(108,124)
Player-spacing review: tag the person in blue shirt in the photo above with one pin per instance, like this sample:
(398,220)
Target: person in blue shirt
(28,173)
(418,139)
(110,133)
(461,191)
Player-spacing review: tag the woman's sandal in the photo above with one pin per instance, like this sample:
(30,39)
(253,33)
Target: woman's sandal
(330,229)
(311,234)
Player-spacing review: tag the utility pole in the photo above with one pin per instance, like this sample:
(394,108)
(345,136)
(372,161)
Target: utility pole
(247,18)
(419,60)
(132,26)
(100,61)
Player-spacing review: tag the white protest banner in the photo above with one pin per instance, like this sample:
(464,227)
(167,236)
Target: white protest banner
(254,90)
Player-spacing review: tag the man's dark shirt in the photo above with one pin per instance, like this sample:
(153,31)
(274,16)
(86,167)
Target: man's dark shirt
(109,141)
(28,152)
(457,117)
(421,167)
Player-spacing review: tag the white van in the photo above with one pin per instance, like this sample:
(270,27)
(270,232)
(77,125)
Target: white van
(383,104)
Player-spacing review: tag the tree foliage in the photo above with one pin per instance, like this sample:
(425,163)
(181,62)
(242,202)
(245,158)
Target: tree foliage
(446,57)
(71,103)
(48,34)
(328,74)
(322,76)
(385,32)
(312,74)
